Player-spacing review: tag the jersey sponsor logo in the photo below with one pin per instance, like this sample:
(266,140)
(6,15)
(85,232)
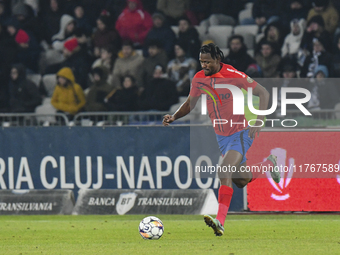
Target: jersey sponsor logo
(222,96)
(209,93)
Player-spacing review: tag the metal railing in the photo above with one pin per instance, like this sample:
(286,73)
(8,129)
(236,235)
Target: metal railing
(33,119)
(118,118)
(318,118)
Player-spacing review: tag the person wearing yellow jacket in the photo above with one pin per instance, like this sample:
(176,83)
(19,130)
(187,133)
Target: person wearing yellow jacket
(68,96)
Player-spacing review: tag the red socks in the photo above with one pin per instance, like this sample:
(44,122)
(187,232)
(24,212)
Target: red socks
(258,169)
(224,197)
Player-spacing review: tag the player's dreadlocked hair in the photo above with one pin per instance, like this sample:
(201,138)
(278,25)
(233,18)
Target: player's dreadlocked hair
(213,50)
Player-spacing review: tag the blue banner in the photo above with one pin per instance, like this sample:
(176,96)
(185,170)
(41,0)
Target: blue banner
(102,158)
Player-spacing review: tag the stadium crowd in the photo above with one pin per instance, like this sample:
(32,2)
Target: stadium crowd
(139,55)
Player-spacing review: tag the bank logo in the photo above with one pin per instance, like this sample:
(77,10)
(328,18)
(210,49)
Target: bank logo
(125,202)
(286,176)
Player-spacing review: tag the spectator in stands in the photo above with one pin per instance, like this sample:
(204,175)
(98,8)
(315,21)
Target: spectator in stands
(28,50)
(150,5)
(127,63)
(292,42)
(336,58)
(188,36)
(289,71)
(107,59)
(292,9)
(21,47)
(200,10)
(162,33)
(4,13)
(115,8)
(327,12)
(160,94)
(319,57)
(92,8)
(274,34)
(264,12)
(336,5)
(50,20)
(33,4)
(223,13)
(324,94)
(289,76)
(69,5)
(173,9)
(8,53)
(124,99)
(105,35)
(238,56)
(24,95)
(315,29)
(254,71)
(77,59)
(134,23)
(82,20)
(157,56)
(54,54)
(182,69)
(99,89)
(68,96)
(268,60)
(28,22)
(66,32)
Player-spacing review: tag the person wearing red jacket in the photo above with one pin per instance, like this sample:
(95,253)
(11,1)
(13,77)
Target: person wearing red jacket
(134,23)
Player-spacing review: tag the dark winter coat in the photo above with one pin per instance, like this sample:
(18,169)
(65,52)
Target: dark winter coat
(240,60)
(165,36)
(24,94)
(191,40)
(160,94)
(123,100)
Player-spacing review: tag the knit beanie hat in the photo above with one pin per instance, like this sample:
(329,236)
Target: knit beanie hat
(71,44)
(22,37)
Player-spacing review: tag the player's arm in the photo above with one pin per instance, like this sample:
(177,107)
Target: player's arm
(183,110)
(263,94)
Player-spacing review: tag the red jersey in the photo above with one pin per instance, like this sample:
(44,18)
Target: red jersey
(221,106)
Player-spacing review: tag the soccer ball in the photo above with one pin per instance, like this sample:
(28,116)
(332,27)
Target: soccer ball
(151,228)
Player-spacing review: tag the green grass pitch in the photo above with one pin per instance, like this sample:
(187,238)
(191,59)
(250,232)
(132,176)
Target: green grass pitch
(184,234)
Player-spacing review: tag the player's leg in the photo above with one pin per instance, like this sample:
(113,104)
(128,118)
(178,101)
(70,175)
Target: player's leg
(245,174)
(230,161)
(242,177)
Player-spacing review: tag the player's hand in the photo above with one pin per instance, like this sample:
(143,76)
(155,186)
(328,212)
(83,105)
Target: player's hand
(167,119)
(253,131)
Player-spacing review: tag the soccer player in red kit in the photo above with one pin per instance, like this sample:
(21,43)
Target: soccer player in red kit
(234,140)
